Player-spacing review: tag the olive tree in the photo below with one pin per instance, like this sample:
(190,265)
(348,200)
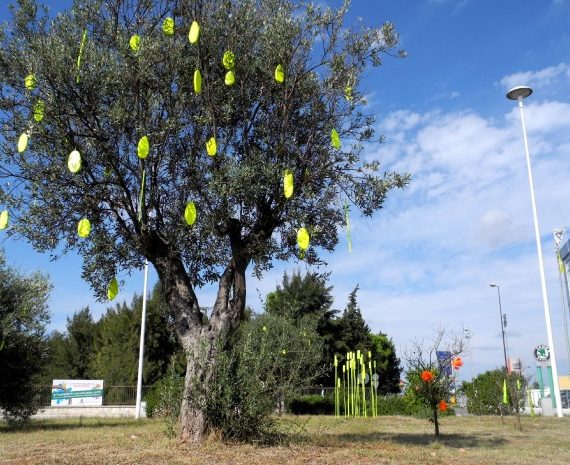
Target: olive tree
(203,135)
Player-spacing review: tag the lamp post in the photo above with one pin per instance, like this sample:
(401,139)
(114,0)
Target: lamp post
(502,327)
(141,346)
(519,93)
(468,336)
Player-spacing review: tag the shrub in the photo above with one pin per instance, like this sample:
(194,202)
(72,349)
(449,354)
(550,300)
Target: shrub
(313,404)
(163,400)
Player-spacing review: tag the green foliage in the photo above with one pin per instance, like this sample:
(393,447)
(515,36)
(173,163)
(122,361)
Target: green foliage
(311,404)
(485,393)
(23,317)
(387,363)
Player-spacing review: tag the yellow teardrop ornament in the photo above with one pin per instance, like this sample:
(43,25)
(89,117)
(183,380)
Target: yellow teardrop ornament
(190,213)
(74,161)
(38,110)
(194,34)
(22,142)
(280,74)
(197,81)
(303,239)
(143,147)
(135,43)
(83,228)
(212,146)
(335,139)
(30,81)
(168,27)
(288,185)
(4,220)
(112,289)
(230,78)
(229,60)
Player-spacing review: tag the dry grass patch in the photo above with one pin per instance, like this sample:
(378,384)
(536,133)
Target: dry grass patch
(312,440)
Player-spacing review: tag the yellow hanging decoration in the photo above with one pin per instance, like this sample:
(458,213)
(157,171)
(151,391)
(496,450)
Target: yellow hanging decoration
(143,147)
(80,55)
(83,228)
(230,78)
(4,220)
(30,81)
(197,81)
(280,74)
(168,27)
(38,110)
(190,213)
(335,139)
(303,239)
(229,60)
(74,161)
(348,93)
(194,34)
(135,43)
(288,186)
(23,142)
(112,289)
(212,146)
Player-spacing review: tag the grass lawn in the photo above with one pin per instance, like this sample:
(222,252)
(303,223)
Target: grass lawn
(315,440)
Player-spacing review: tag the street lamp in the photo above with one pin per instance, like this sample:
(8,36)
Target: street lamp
(519,93)
(502,326)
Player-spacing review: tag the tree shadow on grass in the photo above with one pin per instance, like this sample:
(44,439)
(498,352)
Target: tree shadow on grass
(425,439)
(67,424)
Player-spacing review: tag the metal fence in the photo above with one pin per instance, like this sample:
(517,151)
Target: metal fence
(112,395)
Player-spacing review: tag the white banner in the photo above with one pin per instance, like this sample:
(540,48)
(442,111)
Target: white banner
(76,392)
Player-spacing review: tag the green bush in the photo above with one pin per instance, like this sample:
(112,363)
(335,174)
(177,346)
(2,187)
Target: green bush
(485,393)
(164,399)
(313,404)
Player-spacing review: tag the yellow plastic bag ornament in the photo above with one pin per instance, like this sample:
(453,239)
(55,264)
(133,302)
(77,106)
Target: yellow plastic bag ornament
(4,220)
(230,78)
(143,147)
(30,81)
(112,289)
(335,139)
(38,110)
(168,27)
(194,34)
(229,60)
(83,228)
(348,93)
(190,213)
(303,239)
(135,43)
(288,185)
(280,74)
(212,146)
(74,161)
(23,142)
(197,81)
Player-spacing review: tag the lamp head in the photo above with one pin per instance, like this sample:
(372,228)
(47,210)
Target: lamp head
(493,285)
(519,93)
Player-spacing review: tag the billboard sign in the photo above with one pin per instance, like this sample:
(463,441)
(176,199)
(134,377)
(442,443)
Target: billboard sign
(76,392)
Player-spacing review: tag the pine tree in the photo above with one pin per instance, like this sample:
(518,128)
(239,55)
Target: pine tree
(355,331)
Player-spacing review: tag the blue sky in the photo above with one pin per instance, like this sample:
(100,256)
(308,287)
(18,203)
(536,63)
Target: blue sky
(427,259)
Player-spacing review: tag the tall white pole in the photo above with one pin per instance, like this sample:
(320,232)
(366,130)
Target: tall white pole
(556,386)
(141,347)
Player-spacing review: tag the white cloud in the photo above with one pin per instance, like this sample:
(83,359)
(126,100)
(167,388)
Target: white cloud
(537,79)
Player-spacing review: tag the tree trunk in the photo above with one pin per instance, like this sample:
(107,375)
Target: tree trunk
(436,422)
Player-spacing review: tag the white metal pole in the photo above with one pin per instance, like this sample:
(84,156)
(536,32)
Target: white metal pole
(141,347)
(556,386)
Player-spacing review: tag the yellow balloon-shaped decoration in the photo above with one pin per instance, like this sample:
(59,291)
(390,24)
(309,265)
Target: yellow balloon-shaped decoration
(83,227)
(168,26)
(197,81)
(4,219)
(74,161)
(135,43)
(335,139)
(30,81)
(194,34)
(23,142)
(303,239)
(280,74)
(348,93)
(143,147)
(288,185)
(229,60)
(212,146)
(230,78)
(38,110)
(190,213)
(112,289)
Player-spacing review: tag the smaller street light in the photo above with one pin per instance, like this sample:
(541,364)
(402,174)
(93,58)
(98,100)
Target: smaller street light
(503,324)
